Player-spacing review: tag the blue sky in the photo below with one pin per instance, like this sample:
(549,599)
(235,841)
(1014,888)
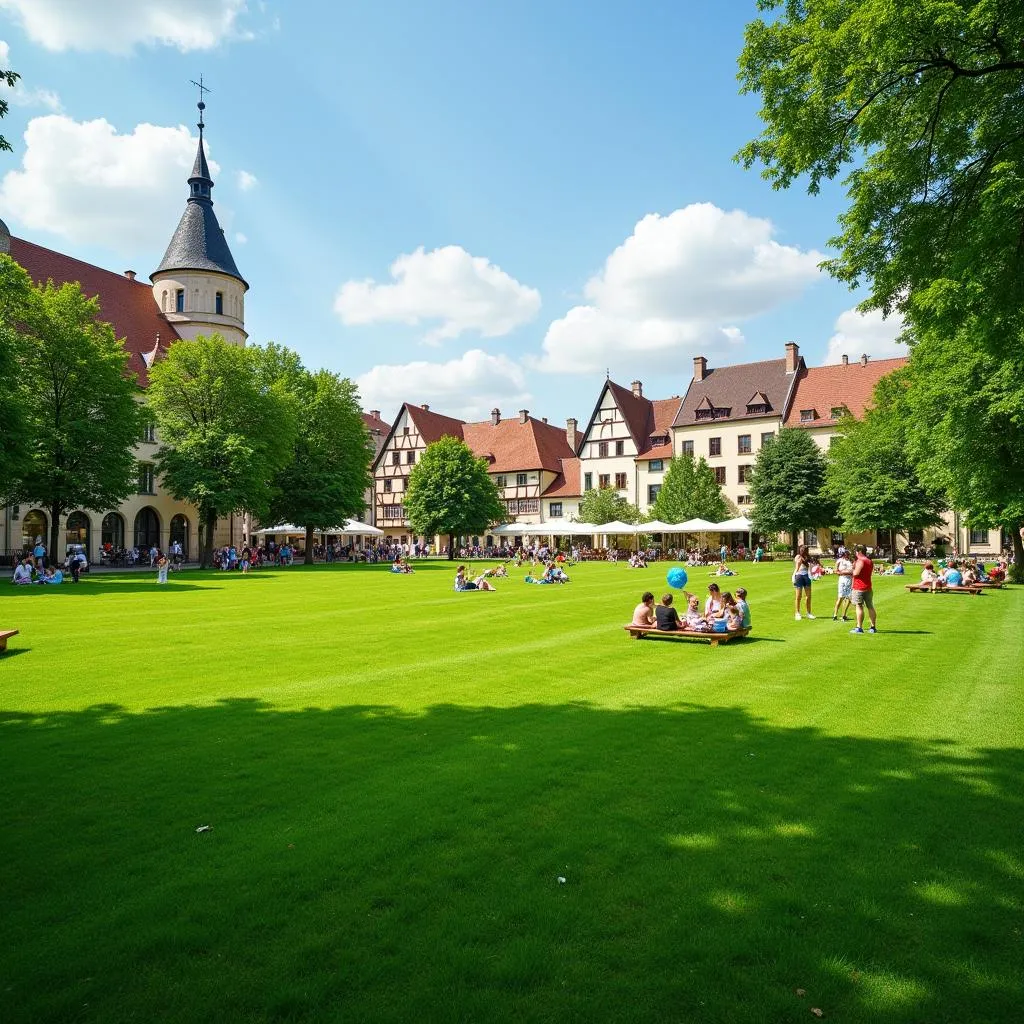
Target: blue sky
(517,149)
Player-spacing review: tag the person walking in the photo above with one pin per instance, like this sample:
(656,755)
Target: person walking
(863,598)
(802,581)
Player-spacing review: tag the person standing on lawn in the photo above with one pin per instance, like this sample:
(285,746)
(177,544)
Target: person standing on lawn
(802,581)
(844,572)
(862,593)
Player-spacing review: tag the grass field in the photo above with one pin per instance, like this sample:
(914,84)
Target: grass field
(398,776)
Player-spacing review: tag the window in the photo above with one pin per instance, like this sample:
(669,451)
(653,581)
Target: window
(501,482)
(410,458)
(652,493)
(604,480)
(714,446)
(396,458)
(520,479)
(218,303)
(394,511)
(720,475)
(808,415)
(837,538)
(146,478)
(810,538)
(839,411)
(179,301)
(657,465)
(588,481)
(620,481)
(602,449)
(522,506)
(555,510)
(688,448)
(765,438)
(149,432)
(620,447)
(387,486)
(979,536)
(743,444)
(744,476)
(405,430)
(743,499)
(758,409)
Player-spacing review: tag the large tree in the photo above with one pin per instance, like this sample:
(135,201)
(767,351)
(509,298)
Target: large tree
(9,78)
(16,297)
(690,491)
(325,481)
(605,505)
(226,429)
(787,485)
(872,480)
(451,493)
(81,411)
(923,104)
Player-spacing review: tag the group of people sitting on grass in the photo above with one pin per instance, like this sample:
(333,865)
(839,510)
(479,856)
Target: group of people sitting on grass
(963,573)
(401,565)
(723,613)
(26,573)
(553,573)
(637,560)
(481,582)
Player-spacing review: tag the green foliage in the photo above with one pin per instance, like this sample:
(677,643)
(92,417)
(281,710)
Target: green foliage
(16,296)
(605,505)
(787,485)
(81,415)
(10,79)
(871,478)
(924,102)
(451,493)
(226,428)
(325,481)
(690,491)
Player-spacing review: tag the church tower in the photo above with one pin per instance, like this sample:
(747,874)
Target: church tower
(197,285)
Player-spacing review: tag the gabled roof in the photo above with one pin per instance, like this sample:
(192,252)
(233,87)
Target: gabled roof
(645,418)
(567,483)
(824,388)
(731,387)
(127,305)
(376,425)
(511,445)
(432,426)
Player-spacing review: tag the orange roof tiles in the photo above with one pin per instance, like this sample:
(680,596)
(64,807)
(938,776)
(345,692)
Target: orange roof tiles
(511,444)
(376,425)
(567,483)
(127,305)
(432,426)
(824,388)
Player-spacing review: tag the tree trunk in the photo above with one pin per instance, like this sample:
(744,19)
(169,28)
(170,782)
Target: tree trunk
(52,555)
(308,560)
(1017,569)
(451,547)
(207,555)
(794,534)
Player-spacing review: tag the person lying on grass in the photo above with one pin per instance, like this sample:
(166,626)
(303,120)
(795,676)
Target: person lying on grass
(723,570)
(462,583)
(643,613)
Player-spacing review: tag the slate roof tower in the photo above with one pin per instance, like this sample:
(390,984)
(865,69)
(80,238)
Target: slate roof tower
(197,285)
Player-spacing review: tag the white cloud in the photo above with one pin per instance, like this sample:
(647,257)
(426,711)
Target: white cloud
(467,387)
(240,238)
(86,183)
(117,26)
(464,292)
(20,95)
(680,281)
(857,334)
(247,181)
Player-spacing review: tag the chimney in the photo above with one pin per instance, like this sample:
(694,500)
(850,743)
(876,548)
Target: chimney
(700,368)
(864,359)
(130,274)
(524,415)
(846,359)
(425,407)
(571,434)
(495,417)
(638,389)
(375,413)
(543,419)
(792,356)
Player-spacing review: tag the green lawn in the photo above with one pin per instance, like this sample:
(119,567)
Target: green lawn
(397,776)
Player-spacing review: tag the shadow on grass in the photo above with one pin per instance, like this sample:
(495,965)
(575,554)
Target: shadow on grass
(374,865)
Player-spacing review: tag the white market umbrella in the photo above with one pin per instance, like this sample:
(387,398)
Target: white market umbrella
(354,528)
(285,528)
(741,524)
(657,526)
(616,527)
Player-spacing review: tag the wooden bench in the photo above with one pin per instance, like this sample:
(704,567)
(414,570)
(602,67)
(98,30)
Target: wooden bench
(926,588)
(991,584)
(5,635)
(639,632)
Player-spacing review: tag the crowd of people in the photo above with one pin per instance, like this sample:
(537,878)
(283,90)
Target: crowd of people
(722,612)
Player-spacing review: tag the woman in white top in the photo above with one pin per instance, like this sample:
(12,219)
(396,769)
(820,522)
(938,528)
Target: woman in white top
(23,573)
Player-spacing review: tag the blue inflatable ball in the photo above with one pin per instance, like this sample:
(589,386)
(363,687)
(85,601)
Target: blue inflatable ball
(676,578)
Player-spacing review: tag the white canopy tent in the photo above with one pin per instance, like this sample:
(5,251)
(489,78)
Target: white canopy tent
(350,528)
(741,524)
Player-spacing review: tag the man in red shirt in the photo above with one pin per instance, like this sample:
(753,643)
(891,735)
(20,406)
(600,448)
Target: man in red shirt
(862,596)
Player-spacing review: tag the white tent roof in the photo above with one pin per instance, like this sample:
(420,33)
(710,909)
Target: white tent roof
(657,526)
(735,525)
(350,528)
(617,527)
(696,526)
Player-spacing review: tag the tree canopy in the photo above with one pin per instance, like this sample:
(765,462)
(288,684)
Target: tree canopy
(923,103)
(226,428)
(16,296)
(81,416)
(690,491)
(787,485)
(451,493)
(9,78)
(605,505)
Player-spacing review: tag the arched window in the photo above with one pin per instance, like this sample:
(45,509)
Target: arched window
(147,528)
(77,532)
(34,526)
(179,533)
(112,532)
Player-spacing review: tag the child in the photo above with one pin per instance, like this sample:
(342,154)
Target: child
(733,618)
(744,608)
(643,613)
(694,621)
(666,616)
(931,578)
(162,565)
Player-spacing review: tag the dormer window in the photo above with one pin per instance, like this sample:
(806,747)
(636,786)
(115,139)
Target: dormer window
(758,404)
(808,415)
(839,411)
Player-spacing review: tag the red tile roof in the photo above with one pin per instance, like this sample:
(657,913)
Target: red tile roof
(824,388)
(512,445)
(128,306)
(567,483)
(432,426)
(646,419)
(376,425)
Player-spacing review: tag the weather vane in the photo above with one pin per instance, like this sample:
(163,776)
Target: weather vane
(201,104)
